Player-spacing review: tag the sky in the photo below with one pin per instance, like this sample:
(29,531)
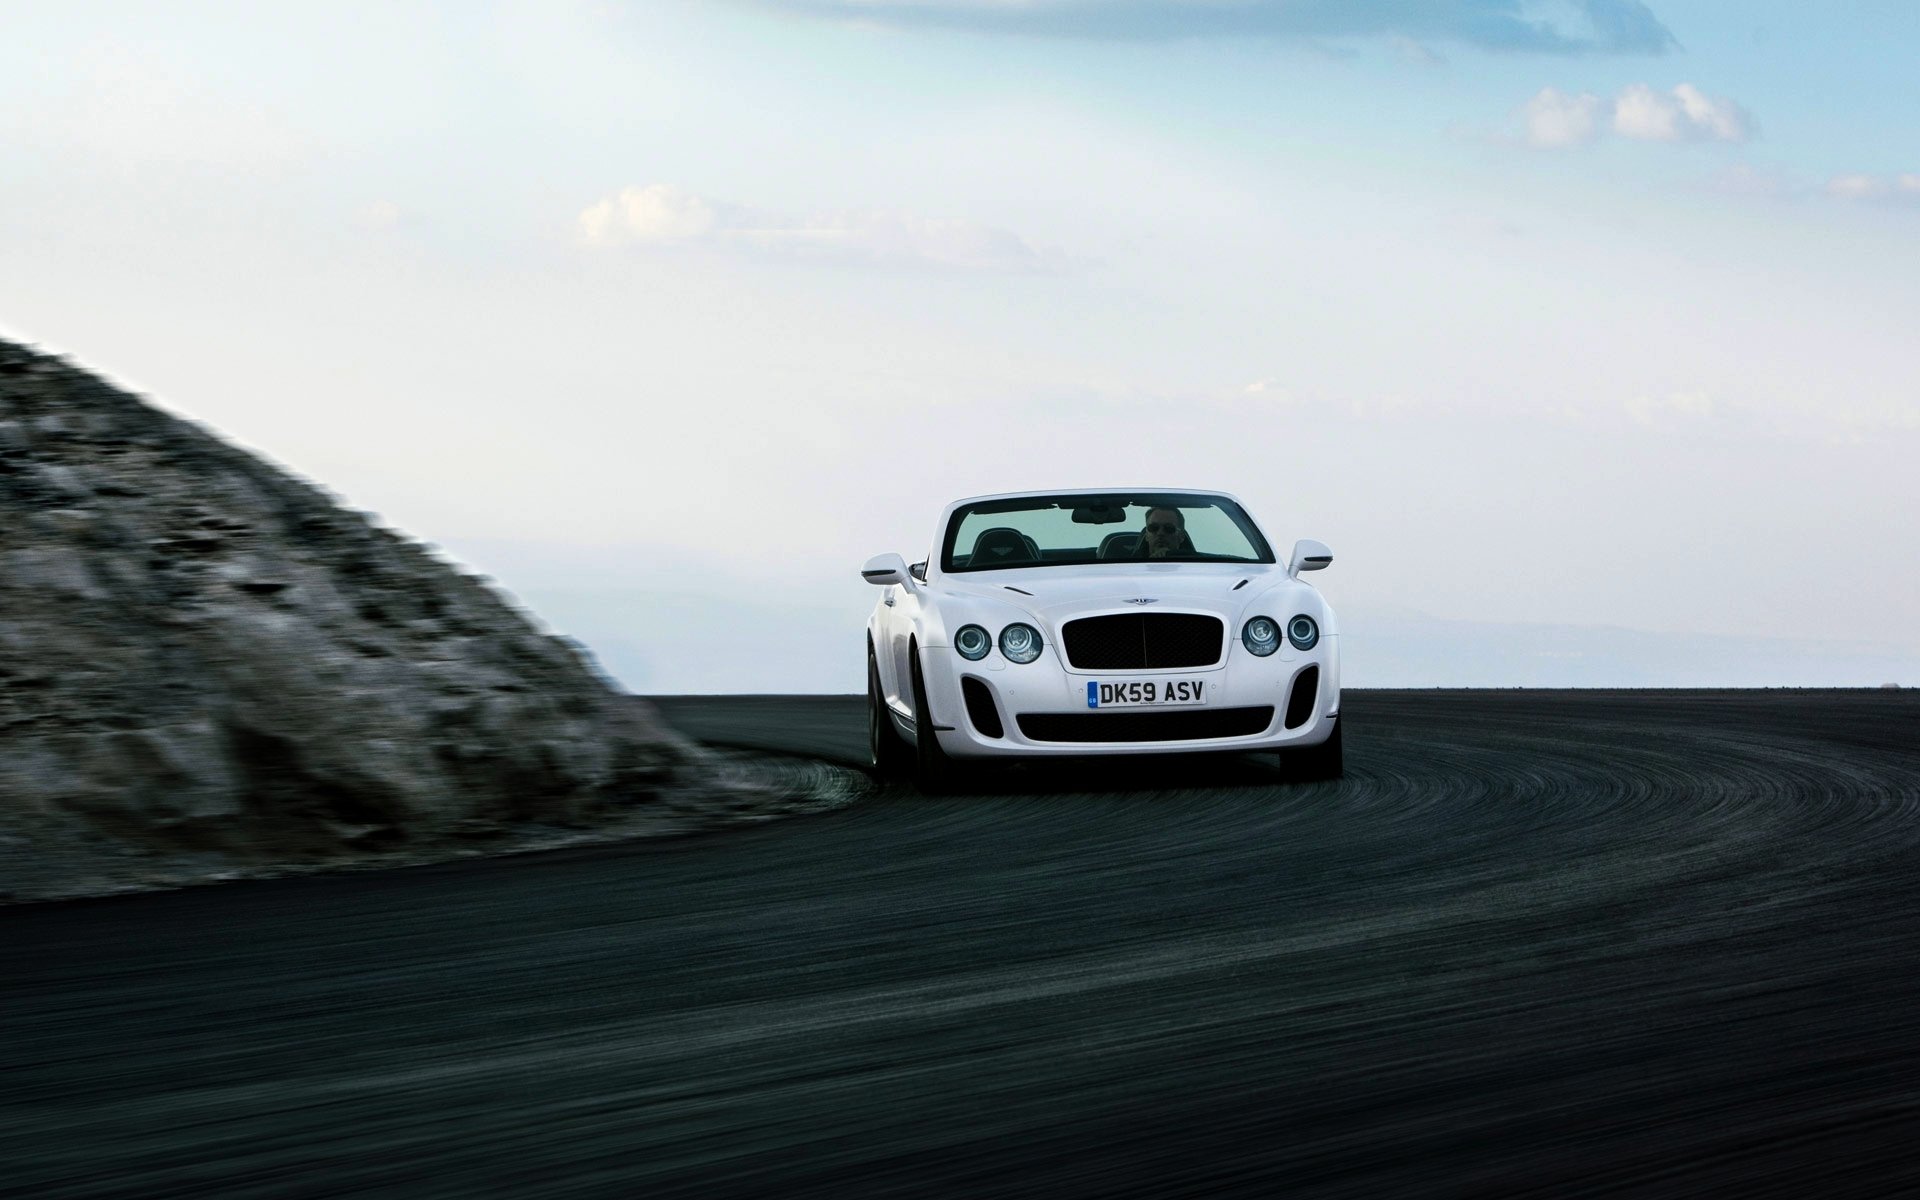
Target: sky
(1582,332)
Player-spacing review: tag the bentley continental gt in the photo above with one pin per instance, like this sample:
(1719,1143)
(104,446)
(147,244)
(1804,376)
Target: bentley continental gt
(1097,623)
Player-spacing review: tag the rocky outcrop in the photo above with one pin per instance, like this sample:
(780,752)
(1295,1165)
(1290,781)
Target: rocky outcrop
(200,651)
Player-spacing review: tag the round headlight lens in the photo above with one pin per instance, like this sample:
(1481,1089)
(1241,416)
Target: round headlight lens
(1261,636)
(1020,643)
(972,642)
(1303,632)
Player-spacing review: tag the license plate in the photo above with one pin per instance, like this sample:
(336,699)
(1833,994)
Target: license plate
(1147,693)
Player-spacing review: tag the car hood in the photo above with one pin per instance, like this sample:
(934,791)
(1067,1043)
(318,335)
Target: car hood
(1058,592)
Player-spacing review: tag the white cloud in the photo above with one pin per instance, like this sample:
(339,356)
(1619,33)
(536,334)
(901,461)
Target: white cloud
(1714,117)
(1857,187)
(1555,119)
(1640,112)
(1270,391)
(1861,186)
(1853,187)
(1683,114)
(662,215)
(656,214)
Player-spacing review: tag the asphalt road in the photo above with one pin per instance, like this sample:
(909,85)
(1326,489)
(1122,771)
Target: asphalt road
(1562,944)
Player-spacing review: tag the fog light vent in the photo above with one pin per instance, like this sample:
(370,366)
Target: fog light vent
(980,709)
(1306,689)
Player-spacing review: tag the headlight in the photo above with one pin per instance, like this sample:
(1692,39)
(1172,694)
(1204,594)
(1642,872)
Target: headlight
(1302,632)
(1261,636)
(1020,643)
(972,642)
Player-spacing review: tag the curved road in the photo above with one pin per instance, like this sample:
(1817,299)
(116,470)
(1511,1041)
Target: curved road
(1562,944)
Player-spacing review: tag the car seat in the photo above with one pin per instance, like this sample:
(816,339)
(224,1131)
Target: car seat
(1120,545)
(1001,546)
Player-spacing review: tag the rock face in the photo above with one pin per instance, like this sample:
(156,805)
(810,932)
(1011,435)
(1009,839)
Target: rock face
(199,651)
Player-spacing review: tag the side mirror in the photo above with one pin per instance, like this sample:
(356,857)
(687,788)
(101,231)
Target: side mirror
(1308,555)
(885,569)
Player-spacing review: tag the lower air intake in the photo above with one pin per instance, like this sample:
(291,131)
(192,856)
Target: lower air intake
(1187,725)
(1306,689)
(980,709)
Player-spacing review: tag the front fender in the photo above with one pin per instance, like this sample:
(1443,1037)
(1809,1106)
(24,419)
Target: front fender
(1283,601)
(940,617)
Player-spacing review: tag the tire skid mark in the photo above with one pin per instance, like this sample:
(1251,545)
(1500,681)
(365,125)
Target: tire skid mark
(1579,944)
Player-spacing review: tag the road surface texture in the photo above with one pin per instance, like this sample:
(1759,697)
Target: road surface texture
(1560,944)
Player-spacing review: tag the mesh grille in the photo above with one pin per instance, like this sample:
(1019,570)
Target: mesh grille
(1182,726)
(1143,641)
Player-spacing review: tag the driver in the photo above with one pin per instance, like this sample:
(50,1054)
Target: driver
(1165,535)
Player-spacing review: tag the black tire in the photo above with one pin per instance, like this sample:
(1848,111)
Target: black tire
(932,769)
(889,753)
(1324,761)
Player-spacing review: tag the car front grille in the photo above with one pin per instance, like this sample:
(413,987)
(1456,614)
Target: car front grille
(1174,725)
(1143,641)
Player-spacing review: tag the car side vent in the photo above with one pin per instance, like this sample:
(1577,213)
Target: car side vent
(1306,689)
(980,708)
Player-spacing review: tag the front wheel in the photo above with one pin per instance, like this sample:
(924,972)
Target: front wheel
(889,755)
(932,769)
(1324,761)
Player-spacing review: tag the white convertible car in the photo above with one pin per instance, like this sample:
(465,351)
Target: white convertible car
(1100,622)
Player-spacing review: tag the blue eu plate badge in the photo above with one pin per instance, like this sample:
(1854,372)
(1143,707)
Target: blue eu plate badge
(1146,693)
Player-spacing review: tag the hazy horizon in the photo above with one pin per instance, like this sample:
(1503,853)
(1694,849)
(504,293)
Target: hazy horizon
(1581,332)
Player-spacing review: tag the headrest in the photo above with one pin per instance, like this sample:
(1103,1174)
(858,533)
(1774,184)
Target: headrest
(1000,545)
(1120,545)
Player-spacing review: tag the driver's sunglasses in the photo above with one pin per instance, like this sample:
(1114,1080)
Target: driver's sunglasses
(1156,527)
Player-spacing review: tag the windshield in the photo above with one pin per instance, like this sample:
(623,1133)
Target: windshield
(1047,531)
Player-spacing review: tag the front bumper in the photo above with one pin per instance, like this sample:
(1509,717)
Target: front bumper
(1048,689)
